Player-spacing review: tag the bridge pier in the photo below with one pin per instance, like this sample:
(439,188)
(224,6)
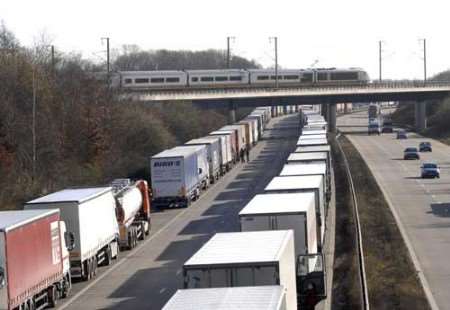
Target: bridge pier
(420,116)
(345,108)
(332,117)
(231,112)
(324,111)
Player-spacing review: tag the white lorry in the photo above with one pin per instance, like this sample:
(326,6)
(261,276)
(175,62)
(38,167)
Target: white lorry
(132,210)
(270,297)
(90,214)
(34,259)
(202,162)
(245,259)
(294,211)
(175,178)
(213,146)
(307,183)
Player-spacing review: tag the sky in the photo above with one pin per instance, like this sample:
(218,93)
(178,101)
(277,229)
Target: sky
(330,33)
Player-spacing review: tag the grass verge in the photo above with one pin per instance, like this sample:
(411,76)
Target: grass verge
(391,277)
(346,282)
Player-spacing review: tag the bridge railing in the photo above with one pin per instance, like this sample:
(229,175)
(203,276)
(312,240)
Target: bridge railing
(319,88)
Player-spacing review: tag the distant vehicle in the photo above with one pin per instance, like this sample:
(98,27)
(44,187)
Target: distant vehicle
(374,128)
(430,170)
(425,147)
(401,134)
(374,111)
(387,125)
(411,153)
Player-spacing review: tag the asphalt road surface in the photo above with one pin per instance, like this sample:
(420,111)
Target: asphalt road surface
(148,276)
(420,205)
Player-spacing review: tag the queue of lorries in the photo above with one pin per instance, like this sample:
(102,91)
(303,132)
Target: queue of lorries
(70,233)
(276,259)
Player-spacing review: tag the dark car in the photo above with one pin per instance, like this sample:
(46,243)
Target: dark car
(430,170)
(425,147)
(401,134)
(411,153)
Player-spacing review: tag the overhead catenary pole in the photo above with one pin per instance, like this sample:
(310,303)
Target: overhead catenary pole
(107,59)
(275,39)
(380,57)
(424,60)
(33,129)
(229,51)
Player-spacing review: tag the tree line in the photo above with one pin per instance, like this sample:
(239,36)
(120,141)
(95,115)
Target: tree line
(82,134)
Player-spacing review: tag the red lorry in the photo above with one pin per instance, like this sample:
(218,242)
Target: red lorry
(34,259)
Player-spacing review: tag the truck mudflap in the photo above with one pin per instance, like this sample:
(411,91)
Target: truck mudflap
(311,279)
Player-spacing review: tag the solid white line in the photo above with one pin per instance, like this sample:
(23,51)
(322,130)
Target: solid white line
(117,265)
(162,290)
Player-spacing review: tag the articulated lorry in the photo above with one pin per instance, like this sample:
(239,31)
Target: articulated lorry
(294,211)
(256,258)
(90,214)
(213,147)
(132,211)
(34,259)
(175,176)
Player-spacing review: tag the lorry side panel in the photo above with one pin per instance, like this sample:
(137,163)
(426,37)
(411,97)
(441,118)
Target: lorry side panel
(297,222)
(3,290)
(288,274)
(98,224)
(33,255)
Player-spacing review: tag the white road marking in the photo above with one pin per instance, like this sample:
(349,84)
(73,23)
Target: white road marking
(162,290)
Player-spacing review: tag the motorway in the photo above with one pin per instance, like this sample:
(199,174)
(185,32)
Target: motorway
(418,204)
(148,276)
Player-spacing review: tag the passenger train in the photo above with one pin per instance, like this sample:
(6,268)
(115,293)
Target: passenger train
(237,78)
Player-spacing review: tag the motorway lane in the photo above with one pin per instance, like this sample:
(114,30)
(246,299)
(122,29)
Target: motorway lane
(411,197)
(148,276)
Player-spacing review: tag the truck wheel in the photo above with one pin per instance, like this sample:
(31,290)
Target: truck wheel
(66,286)
(85,270)
(142,237)
(52,296)
(94,266)
(130,240)
(108,255)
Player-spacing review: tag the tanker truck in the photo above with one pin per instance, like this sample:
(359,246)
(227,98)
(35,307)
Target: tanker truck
(132,210)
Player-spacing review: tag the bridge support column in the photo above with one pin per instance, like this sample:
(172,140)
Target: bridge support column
(231,112)
(421,116)
(332,118)
(324,111)
(345,108)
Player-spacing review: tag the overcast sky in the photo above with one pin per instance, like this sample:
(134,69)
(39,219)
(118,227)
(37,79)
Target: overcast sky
(337,33)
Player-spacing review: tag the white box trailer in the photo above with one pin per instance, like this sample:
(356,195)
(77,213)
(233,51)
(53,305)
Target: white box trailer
(259,120)
(306,183)
(313,131)
(226,149)
(296,211)
(312,142)
(245,259)
(202,162)
(175,177)
(213,145)
(270,297)
(318,136)
(90,214)
(313,157)
(254,124)
(240,135)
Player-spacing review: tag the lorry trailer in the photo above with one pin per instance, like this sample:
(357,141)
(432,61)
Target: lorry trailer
(132,211)
(202,162)
(254,258)
(270,297)
(233,136)
(175,177)
(226,149)
(213,155)
(90,214)
(34,259)
(307,183)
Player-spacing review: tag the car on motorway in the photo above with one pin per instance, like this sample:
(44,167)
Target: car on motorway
(430,170)
(374,128)
(401,134)
(411,153)
(425,147)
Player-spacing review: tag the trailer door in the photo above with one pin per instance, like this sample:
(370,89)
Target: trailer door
(296,222)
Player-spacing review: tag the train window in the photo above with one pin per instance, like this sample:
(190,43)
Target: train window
(194,79)
(141,81)
(157,80)
(128,81)
(307,77)
(235,78)
(291,77)
(207,79)
(262,77)
(344,76)
(172,80)
(274,77)
(322,76)
(221,78)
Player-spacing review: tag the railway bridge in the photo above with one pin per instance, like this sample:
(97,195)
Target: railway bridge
(328,96)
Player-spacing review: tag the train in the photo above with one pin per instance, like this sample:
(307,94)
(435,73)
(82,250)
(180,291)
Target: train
(233,78)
